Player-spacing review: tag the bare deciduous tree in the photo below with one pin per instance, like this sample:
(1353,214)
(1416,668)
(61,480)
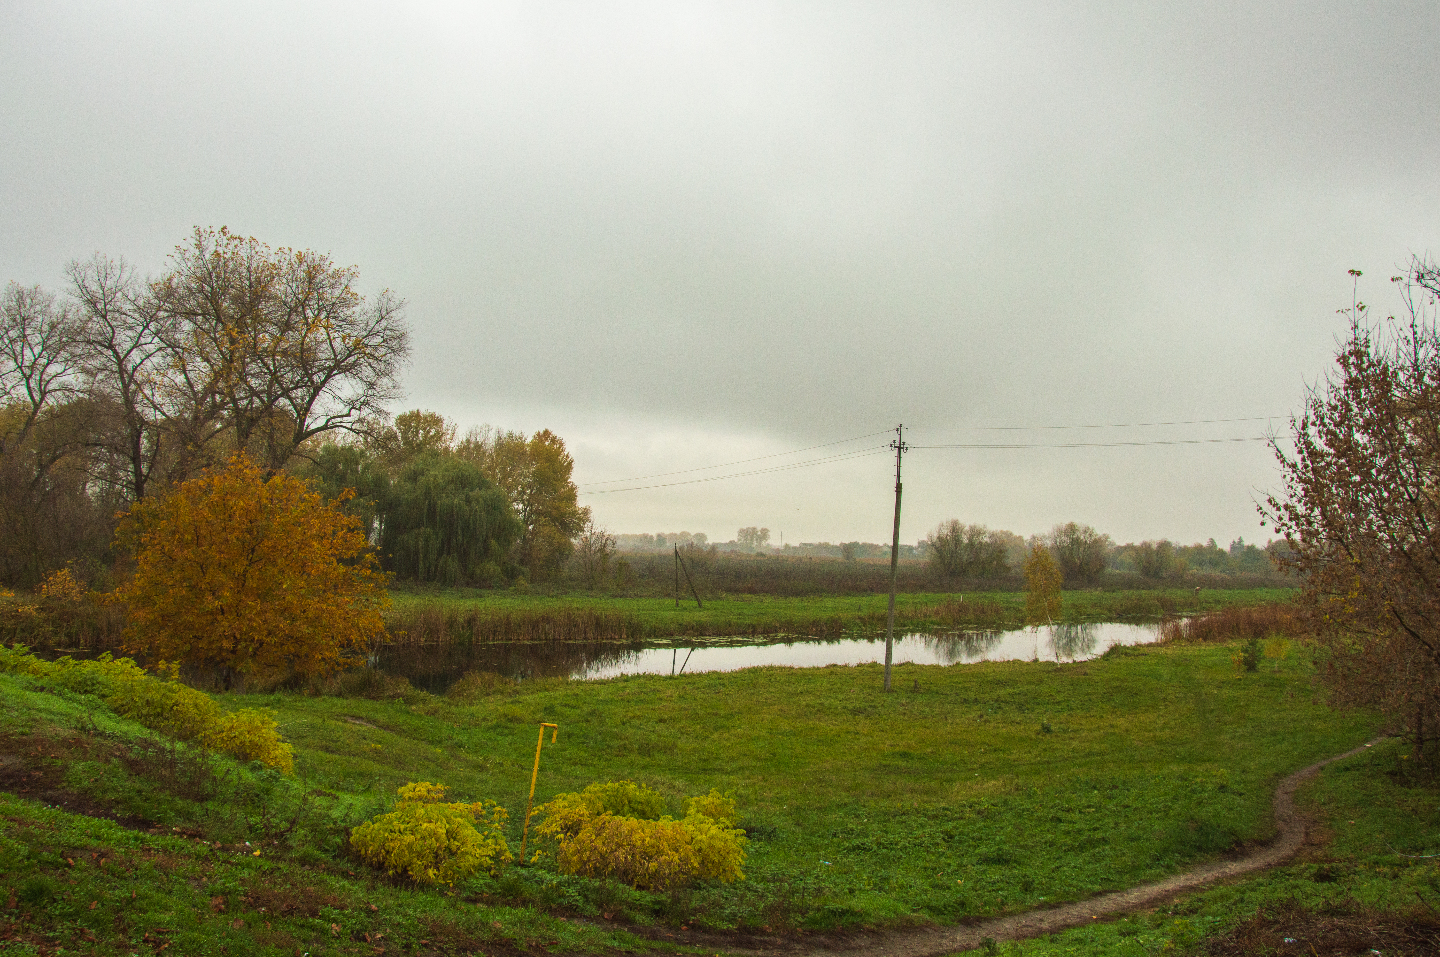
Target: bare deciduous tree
(1081,551)
(121,345)
(593,550)
(39,361)
(44,514)
(955,550)
(272,347)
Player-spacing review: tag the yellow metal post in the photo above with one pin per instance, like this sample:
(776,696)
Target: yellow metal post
(534,775)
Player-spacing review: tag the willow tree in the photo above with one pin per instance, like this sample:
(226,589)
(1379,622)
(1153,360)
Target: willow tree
(443,521)
(1043,579)
(1081,552)
(1360,511)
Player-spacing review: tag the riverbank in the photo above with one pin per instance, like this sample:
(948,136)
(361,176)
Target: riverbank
(436,616)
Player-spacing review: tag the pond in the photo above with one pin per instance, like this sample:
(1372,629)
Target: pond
(434,668)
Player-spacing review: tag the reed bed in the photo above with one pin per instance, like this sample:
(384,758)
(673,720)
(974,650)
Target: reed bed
(440,624)
(967,615)
(1235,624)
(448,624)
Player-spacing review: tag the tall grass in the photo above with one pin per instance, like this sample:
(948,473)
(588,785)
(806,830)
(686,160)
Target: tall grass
(1235,624)
(437,623)
(444,623)
(472,617)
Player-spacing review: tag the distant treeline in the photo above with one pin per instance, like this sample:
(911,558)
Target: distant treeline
(753,540)
(953,557)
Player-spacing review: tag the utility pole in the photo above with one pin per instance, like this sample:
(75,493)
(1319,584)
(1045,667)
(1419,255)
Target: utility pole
(680,563)
(898,444)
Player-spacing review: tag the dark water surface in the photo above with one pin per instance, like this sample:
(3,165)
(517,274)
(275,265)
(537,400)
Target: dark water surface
(434,668)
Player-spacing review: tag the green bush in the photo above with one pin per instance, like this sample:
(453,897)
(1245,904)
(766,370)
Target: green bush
(432,842)
(617,830)
(17,660)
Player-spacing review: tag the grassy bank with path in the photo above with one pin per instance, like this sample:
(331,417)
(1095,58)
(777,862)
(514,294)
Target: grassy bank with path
(969,792)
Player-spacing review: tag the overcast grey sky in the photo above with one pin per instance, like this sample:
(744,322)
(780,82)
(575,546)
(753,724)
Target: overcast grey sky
(686,234)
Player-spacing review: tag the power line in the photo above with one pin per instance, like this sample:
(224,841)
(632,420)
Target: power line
(840,457)
(723,465)
(1113,425)
(863,453)
(1087,445)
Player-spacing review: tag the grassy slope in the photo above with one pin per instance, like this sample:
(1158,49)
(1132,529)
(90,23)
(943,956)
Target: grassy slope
(740,614)
(932,804)
(208,862)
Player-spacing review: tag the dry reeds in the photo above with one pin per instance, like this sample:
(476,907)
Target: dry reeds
(1234,624)
(963,615)
(442,625)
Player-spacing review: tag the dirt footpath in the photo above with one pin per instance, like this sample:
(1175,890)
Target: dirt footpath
(934,941)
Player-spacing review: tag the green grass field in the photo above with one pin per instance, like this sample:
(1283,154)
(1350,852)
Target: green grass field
(970,791)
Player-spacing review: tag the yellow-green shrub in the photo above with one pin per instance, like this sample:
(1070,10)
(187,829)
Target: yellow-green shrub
(432,842)
(566,813)
(719,848)
(165,706)
(716,806)
(161,703)
(251,736)
(644,849)
(99,676)
(650,855)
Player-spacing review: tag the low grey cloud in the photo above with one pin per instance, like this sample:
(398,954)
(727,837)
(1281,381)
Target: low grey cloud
(687,234)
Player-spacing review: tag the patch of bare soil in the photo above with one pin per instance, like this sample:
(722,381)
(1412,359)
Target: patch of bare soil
(1294,931)
(33,766)
(277,896)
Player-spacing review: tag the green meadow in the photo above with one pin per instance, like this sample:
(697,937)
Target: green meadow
(970,791)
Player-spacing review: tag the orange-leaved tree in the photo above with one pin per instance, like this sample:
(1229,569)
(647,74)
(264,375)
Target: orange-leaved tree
(251,574)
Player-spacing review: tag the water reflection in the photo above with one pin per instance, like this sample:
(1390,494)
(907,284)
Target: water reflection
(1073,642)
(435,668)
(962,648)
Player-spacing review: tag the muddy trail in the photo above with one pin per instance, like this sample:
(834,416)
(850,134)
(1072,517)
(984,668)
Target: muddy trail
(935,941)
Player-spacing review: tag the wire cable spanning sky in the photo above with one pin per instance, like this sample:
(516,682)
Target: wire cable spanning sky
(757,458)
(677,234)
(842,457)
(885,449)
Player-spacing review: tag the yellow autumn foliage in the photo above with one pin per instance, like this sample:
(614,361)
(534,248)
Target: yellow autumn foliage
(647,851)
(62,586)
(252,574)
(433,842)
